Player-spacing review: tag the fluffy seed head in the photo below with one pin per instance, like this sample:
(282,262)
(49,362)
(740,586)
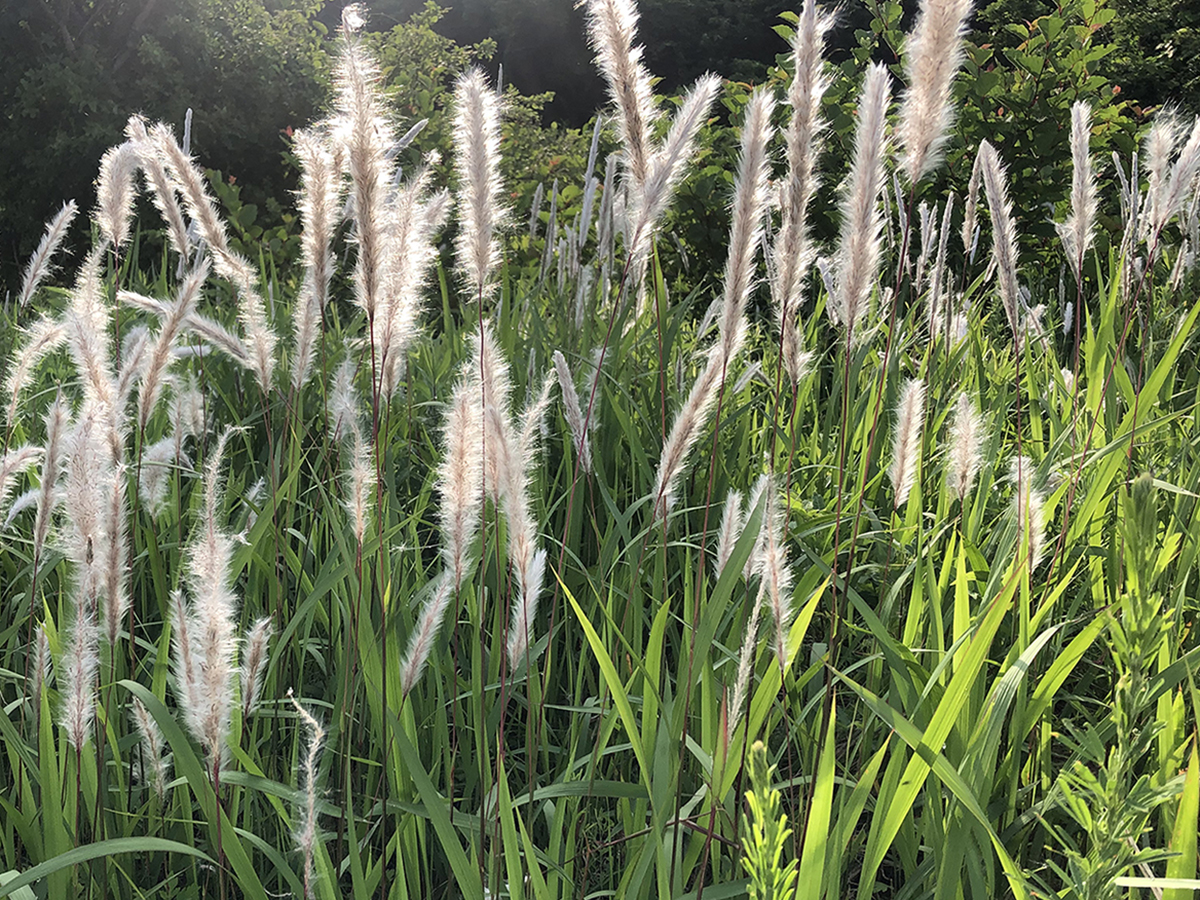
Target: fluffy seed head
(906,439)
(115,192)
(933,54)
(966,447)
(1004,235)
(40,265)
(1078,231)
(612,28)
(859,239)
(477,162)
(254,663)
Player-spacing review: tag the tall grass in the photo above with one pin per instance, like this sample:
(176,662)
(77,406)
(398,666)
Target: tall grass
(445,633)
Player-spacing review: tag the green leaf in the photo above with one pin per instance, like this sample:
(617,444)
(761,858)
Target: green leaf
(99,850)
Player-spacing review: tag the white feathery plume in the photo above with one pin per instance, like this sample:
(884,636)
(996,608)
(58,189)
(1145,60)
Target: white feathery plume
(460,480)
(87,472)
(414,220)
(733,520)
(254,663)
(233,268)
(152,745)
(971,210)
(161,189)
(13,463)
(115,193)
(187,668)
(572,412)
(938,304)
(750,198)
(221,338)
(1181,183)
(1161,141)
(342,403)
(40,338)
(965,454)
(527,560)
(319,193)
(187,412)
(175,316)
(306,834)
(906,439)
(365,134)
(689,421)
(791,254)
(211,622)
(132,360)
(1029,504)
(749,202)
(666,169)
(859,239)
(1004,235)
(114,550)
(933,54)
(612,27)
(771,564)
(320,190)
(157,460)
(86,322)
(57,423)
(360,484)
(429,622)
(79,675)
(477,162)
(40,265)
(22,502)
(40,667)
(306,322)
(1078,231)
(745,662)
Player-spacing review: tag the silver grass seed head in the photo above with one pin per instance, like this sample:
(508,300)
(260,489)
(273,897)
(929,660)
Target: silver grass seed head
(666,167)
(460,480)
(1004,236)
(1078,232)
(306,832)
(154,477)
(750,201)
(162,190)
(612,30)
(40,666)
(254,663)
(933,54)
(906,439)
(859,242)
(429,623)
(79,670)
(733,520)
(40,338)
(572,412)
(153,745)
(966,447)
(116,191)
(477,163)
(360,485)
(40,265)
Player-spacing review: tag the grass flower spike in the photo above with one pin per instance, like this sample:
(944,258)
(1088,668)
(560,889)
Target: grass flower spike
(477,160)
(906,440)
(932,55)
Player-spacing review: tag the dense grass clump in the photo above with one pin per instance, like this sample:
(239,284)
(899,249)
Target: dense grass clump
(856,573)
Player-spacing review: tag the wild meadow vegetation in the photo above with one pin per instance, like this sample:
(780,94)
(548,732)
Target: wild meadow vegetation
(474,558)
